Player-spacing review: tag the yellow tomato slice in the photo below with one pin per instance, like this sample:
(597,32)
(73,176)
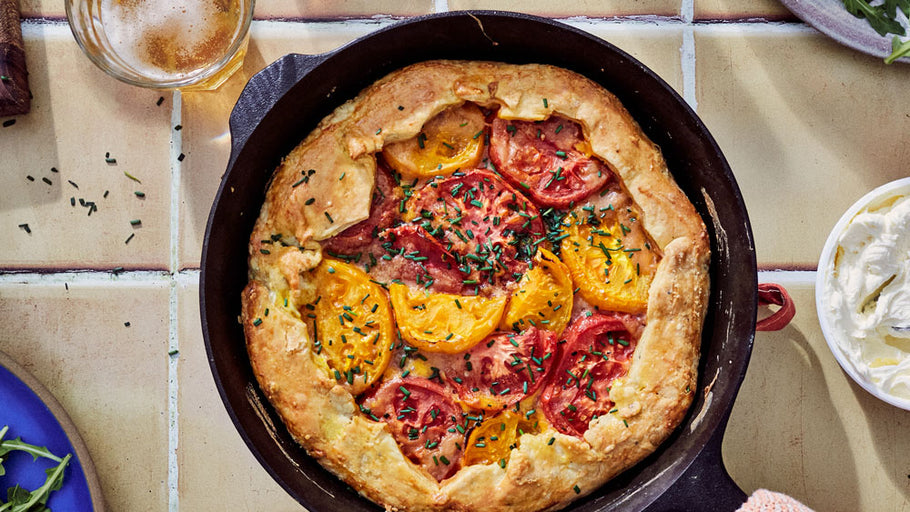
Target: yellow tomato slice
(451,140)
(443,322)
(492,441)
(611,262)
(544,297)
(352,323)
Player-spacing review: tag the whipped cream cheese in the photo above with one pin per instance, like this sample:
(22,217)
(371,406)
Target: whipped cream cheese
(868,294)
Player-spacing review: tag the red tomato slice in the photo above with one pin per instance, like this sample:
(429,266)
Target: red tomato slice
(548,159)
(503,369)
(424,420)
(485,222)
(412,255)
(383,213)
(597,350)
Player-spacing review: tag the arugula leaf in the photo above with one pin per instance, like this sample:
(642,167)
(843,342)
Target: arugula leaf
(898,49)
(877,16)
(890,7)
(883,18)
(19,499)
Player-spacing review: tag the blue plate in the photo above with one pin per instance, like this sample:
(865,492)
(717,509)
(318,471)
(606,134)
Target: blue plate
(34,415)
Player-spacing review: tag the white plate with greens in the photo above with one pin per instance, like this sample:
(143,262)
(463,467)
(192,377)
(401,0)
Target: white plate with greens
(832,18)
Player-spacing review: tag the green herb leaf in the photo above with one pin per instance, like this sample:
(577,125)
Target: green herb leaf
(898,49)
(23,500)
(877,16)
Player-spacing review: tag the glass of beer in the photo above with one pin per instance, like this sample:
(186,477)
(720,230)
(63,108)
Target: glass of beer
(164,44)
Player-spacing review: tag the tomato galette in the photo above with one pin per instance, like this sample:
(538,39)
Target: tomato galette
(476,286)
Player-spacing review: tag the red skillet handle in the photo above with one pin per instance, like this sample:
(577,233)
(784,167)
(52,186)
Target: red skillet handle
(775,294)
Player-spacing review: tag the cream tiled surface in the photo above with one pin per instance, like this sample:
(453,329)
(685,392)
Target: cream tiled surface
(801,426)
(74,133)
(729,10)
(808,127)
(70,332)
(332,9)
(211,449)
(592,8)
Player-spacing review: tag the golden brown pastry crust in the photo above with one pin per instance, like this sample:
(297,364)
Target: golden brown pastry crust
(322,415)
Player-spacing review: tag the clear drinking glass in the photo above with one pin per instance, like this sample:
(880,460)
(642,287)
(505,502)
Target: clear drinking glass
(164,44)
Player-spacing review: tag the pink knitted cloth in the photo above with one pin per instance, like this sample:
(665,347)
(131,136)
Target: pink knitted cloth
(763,500)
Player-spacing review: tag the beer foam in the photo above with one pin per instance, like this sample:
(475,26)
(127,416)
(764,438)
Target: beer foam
(154,37)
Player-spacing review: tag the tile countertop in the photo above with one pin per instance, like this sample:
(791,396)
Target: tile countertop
(807,125)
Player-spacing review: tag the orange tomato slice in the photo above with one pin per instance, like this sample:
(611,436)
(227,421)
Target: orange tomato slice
(352,324)
(443,322)
(492,441)
(451,140)
(611,261)
(544,296)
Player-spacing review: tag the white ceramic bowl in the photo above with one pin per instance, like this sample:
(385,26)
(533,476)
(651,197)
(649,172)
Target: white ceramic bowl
(826,265)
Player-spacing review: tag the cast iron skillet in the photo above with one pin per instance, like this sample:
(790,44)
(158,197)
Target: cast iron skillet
(285,101)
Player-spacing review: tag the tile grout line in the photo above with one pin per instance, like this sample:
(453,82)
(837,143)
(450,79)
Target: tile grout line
(687,53)
(173,341)
(687,61)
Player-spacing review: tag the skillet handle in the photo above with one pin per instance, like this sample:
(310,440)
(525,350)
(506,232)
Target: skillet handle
(705,486)
(775,294)
(263,91)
